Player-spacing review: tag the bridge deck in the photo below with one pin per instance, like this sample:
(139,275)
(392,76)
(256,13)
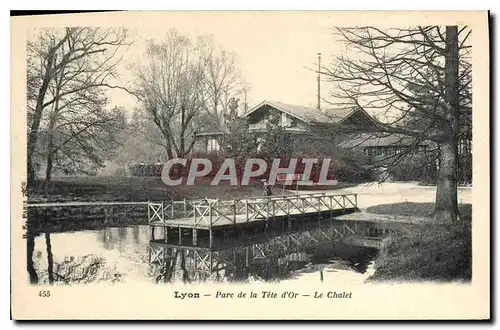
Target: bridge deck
(238,220)
(208,214)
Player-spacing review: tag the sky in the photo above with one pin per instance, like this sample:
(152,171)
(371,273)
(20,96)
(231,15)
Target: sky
(273,52)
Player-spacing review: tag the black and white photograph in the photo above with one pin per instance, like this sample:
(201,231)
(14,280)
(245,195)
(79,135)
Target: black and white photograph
(250,157)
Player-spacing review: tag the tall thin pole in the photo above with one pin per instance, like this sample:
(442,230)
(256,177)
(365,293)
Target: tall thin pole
(319,83)
(246,104)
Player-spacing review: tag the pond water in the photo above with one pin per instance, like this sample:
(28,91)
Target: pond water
(128,254)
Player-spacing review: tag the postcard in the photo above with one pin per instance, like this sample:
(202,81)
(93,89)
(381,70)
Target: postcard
(250,165)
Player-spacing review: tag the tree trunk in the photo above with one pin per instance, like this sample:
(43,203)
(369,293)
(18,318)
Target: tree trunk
(48,172)
(182,139)
(50,147)
(168,147)
(37,116)
(446,195)
(50,258)
(30,242)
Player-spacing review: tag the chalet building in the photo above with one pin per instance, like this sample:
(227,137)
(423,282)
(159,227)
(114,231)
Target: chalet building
(299,120)
(380,145)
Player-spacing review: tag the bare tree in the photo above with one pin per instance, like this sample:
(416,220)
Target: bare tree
(170,89)
(411,75)
(65,68)
(221,82)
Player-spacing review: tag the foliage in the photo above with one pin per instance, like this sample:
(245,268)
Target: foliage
(275,142)
(236,139)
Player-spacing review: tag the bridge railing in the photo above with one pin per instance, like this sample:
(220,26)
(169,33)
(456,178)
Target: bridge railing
(207,212)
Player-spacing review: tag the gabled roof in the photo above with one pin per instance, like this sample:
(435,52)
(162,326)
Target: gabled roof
(380,139)
(338,115)
(307,114)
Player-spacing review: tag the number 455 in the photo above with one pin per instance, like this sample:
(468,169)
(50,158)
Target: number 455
(44,294)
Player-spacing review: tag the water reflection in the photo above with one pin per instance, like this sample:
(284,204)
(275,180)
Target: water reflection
(128,254)
(270,256)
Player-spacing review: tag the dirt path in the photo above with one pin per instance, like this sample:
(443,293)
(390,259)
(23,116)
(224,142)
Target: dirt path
(371,194)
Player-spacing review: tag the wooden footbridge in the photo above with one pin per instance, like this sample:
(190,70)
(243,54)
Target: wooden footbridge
(215,214)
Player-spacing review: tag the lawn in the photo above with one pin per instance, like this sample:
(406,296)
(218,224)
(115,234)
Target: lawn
(134,189)
(415,209)
(428,252)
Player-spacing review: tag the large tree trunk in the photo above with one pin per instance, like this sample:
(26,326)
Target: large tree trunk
(446,195)
(30,242)
(50,147)
(50,68)
(50,258)
(37,116)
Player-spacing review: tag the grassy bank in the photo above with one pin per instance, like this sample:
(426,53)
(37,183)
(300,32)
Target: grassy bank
(429,252)
(134,189)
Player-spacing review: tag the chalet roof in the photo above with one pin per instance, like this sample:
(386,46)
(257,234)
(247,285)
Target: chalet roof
(307,114)
(337,115)
(379,140)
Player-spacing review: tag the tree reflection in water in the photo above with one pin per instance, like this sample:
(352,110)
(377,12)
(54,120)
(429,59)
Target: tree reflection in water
(86,269)
(271,255)
(259,257)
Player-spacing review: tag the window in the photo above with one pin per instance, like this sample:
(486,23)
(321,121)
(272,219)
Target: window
(213,145)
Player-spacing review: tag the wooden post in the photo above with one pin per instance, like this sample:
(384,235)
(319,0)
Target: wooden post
(166,234)
(210,241)
(246,205)
(162,212)
(210,252)
(185,208)
(180,235)
(195,237)
(234,210)
(194,213)
(210,213)
(149,213)
(246,256)
(331,207)
(318,205)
